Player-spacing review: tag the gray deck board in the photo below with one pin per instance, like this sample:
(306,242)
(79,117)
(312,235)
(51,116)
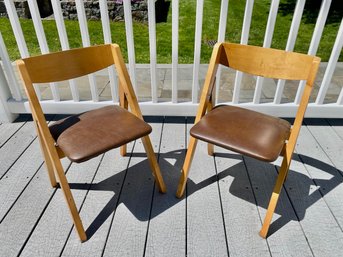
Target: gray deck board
(125,215)
(11,151)
(289,238)
(56,221)
(242,221)
(99,207)
(130,224)
(167,235)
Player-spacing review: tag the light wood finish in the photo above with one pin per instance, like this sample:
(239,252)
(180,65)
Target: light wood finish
(42,69)
(264,62)
(124,104)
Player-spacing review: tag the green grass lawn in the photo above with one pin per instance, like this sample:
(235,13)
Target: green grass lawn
(186,33)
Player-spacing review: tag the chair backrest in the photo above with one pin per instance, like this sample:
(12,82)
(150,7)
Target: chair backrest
(71,64)
(265,62)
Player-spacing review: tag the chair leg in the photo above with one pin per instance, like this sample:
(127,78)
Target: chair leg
(124,104)
(275,197)
(47,159)
(153,164)
(70,200)
(186,166)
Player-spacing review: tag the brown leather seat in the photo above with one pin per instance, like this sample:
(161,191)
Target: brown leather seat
(244,131)
(84,136)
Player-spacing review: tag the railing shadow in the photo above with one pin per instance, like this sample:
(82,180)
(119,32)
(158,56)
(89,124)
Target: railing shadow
(136,195)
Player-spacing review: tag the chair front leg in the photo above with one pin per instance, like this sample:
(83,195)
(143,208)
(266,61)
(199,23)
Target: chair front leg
(70,200)
(186,166)
(275,197)
(153,164)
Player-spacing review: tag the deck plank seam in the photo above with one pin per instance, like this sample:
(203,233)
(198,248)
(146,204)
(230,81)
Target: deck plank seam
(153,190)
(221,205)
(118,199)
(40,216)
(322,148)
(15,201)
(255,199)
(82,203)
(15,132)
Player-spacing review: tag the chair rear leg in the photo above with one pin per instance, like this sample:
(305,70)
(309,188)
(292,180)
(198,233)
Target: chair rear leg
(70,200)
(186,166)
(153,164)
(275,197)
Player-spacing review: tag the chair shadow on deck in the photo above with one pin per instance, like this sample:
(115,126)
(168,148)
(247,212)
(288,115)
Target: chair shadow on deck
(138,190)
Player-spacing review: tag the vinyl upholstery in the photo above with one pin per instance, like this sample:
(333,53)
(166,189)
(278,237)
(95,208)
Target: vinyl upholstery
(244,131)
(84,136)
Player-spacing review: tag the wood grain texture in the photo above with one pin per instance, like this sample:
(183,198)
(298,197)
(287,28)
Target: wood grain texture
(99,206)
(55,225)
(167,235)
(240,212)
(130,224)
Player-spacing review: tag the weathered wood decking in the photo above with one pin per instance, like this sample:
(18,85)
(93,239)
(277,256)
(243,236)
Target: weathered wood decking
(126,216)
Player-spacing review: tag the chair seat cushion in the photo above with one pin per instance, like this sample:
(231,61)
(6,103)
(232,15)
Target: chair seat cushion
(84,136)
(244,131)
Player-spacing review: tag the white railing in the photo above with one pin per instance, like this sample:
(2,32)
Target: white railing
(318,108)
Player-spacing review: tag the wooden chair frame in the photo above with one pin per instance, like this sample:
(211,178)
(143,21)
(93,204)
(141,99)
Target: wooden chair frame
(261,62)
(80,62)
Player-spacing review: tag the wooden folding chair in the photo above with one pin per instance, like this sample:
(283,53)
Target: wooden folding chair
(247,132)
(84,136)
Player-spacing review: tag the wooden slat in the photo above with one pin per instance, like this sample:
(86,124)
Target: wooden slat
(7,66)
(62,34)
(56,221)
(130,223)
(244,40)
(267,43)
(108,40)
(336,50)
(221,36)
(175,49)
(239,207)
(130,43)
(99,206)
(285,227)
(86,42)
(292,36)
(153,51)
(197,49)
(19,36)
(168,212)
(316,36)
(35,15)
